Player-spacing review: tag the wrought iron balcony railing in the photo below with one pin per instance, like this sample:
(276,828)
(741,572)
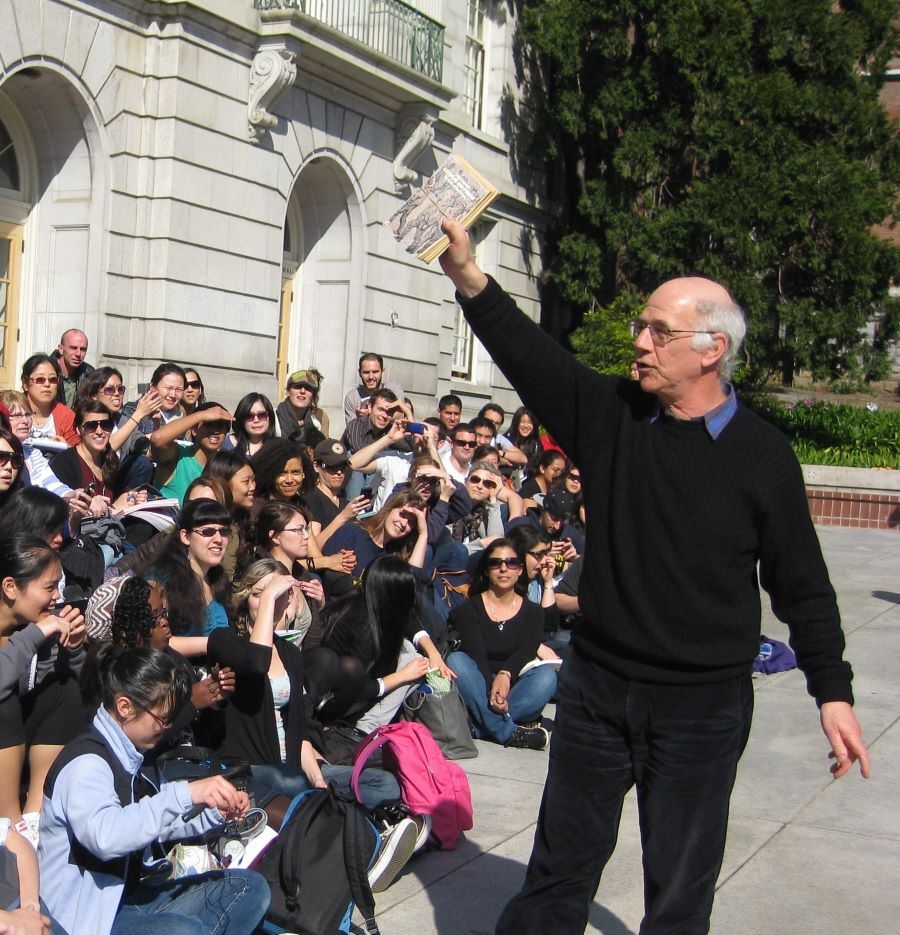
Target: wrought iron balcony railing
(391,27)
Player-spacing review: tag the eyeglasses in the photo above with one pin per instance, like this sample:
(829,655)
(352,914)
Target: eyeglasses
(51,381)
(484,482)
(105,425)
(193,384)
(539,555)
(511,563)
(661,334)
(209,531)
(161,614)
(21,415)
(258,417)
(300,530)
(113,390)
(13,458)
(164,722)
(465,444)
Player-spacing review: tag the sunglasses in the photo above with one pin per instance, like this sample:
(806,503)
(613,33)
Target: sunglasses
(539,555)
(41,381)
(511,563)
(258,417)
(207,532)
(113,390)
(301,386)
(194,385)
(334,468)
(462,444)
(11,457)
(105,425)
(575,477)
(484,482)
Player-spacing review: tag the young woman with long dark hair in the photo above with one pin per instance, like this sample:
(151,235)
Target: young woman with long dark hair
(40,710)
(52,420)
(236,474)
(167,386)
(546,474)
(99,817)
(253,426)
(523,433)
(500,631)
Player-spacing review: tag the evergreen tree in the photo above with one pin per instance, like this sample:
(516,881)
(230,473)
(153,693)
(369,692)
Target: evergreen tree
(742,140)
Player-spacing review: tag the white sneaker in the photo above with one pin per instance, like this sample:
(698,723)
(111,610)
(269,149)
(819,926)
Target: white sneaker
(30,827)
(397,845)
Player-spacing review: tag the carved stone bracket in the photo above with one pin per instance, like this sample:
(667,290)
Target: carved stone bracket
(273,71)
(415,133)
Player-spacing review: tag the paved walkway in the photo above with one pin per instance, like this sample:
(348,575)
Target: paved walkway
(805,855)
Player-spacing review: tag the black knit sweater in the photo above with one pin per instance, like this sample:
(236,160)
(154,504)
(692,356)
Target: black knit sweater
(677,522)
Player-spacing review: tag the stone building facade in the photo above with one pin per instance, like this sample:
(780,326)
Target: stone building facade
(205,181)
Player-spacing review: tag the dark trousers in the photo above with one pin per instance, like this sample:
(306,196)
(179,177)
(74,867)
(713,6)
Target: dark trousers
(680,745)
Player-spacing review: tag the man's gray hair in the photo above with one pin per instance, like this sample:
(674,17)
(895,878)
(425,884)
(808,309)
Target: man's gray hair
(724,317)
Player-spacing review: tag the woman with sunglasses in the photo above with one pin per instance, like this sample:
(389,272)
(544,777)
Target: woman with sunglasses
(37,715)
(500,631)
(253,426)
(12,464)
(99,820)
(188,564)
(300,405)
(52,421)
(92,464)
(193,393)
(484,522)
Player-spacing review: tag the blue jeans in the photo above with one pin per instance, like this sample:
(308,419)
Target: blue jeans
(223,902)
(680,745)
(527,698)
(375,785)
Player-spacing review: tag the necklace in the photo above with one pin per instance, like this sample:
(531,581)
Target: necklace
(495,610)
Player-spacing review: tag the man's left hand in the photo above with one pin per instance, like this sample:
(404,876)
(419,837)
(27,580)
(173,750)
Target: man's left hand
(845,736)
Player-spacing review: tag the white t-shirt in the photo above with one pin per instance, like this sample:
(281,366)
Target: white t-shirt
(390,469)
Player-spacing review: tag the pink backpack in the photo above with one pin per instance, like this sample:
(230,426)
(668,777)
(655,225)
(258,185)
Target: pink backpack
(429,783)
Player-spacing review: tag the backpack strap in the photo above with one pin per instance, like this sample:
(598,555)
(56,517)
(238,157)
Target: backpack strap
(377,739)
(289,868)
(357,857)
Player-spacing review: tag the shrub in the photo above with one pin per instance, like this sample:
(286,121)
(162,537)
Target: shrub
(835,434)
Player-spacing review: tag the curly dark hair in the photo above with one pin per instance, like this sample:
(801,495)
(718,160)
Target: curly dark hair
(132,619)
(269,462)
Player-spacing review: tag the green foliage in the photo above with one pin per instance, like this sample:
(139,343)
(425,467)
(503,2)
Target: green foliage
(842,435)
(604,340)
(742,140)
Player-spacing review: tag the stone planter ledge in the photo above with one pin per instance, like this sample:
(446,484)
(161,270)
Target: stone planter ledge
(864,498)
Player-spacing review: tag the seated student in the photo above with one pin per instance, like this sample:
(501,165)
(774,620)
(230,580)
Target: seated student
(253,426)
(178,465)
(23,914)
(329,508)
(500,631)
(484,522)
(486,434)
(284,473)
(379,625)
(540,569)
(52,420)
(550,466)
(299,408)
(371,379)
(449,411)
(523,433)
(194,394)
(236,474)
(188,564)
(12,466)
(39,711)
(552,517)
(399,528)
(167,387)
(99,819)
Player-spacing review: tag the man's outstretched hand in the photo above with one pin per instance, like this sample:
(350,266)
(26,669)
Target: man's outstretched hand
(458,263)
(845,736)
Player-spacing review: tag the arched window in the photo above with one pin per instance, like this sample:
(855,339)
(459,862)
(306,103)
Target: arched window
(9,165)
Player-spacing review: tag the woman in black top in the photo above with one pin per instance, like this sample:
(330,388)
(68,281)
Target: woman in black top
(500,631)
(268,721)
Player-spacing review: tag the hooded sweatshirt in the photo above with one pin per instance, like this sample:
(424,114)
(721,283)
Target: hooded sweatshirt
(84,809)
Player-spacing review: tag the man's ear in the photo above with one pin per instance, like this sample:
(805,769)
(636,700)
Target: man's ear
(711,356)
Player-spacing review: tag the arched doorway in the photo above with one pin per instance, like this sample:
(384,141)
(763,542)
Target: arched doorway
(52,186)
(322,282)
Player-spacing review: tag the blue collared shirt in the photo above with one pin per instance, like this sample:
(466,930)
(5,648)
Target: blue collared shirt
(716,419)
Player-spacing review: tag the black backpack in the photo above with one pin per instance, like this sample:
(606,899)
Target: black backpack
(317,867)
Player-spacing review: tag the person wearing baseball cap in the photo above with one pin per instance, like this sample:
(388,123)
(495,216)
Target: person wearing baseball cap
(326,501)
(552,517)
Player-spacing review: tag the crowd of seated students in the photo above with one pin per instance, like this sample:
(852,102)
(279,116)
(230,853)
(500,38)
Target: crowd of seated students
(291,586)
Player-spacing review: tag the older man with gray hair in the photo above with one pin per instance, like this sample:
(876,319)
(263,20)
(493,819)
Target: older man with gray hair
(692,501)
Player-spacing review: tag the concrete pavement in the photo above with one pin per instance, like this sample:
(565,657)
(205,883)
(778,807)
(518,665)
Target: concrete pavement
(805,855)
